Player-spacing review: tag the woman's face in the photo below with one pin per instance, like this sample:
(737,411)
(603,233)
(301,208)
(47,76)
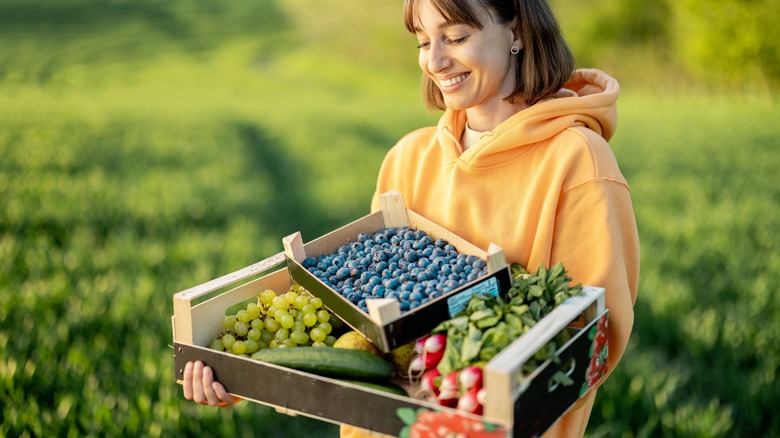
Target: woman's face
(472,67)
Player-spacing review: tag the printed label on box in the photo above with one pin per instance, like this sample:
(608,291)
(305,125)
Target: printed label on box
(457,302)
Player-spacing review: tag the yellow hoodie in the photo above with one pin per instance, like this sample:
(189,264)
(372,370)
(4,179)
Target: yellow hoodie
(545,186)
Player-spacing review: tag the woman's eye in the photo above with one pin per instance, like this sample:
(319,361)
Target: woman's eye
(423,44)
(456,40)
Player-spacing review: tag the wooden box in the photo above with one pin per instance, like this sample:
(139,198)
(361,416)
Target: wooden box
(384,324)
(515,407)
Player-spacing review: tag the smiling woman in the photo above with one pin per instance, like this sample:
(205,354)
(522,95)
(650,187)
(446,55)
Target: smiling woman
(519,158)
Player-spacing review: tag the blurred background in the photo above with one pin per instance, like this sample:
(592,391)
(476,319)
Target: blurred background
(149,146)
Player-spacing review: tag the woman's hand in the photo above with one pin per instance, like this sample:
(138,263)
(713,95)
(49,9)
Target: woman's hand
(200,387)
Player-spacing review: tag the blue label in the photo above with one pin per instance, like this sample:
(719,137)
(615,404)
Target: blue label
(458,302)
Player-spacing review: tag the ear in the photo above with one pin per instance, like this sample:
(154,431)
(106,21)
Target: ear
(515,26)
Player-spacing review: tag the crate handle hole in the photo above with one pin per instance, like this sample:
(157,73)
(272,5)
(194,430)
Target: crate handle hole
(553,384)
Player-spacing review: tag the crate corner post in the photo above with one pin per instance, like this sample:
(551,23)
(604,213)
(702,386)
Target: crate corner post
(393,209)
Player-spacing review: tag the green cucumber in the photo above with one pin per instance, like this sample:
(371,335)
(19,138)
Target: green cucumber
(388,387)
(330,362)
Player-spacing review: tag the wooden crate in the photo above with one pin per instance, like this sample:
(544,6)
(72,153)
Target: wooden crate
(515,407)
(384,324)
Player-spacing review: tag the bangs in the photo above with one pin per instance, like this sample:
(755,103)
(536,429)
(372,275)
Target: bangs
(453,12)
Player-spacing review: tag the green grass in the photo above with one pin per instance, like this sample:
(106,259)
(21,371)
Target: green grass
(148,147)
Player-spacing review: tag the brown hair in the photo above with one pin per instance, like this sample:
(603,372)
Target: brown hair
(545,62)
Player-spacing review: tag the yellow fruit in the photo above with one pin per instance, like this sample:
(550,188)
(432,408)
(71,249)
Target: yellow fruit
(354,340)
(402,358)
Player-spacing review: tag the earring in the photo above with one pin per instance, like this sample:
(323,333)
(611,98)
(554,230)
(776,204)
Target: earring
(515,50)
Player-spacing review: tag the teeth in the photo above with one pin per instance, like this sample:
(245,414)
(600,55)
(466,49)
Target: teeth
(453,81)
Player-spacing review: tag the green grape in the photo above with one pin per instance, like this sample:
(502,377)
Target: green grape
(287,321)
(316,302)
(251,346)
(279,314)
(253,309)
(239,347)
(326,327)
(243,316)
(273,344)
(240,328)
(254,334)
(323,315)
(301,301)
(287,343)
(267,296)
(228,340)
(257,323)
(299,326)
(330,340)
(309,308)
(309,319)
(299,338)
(336,322)
(318,344)
(297,288)
(216,344)
(266,336)
(229,321)
(271,325)
(281,334)
(317,334)
(262,345)
(290,297)
(293,312)
(281,303)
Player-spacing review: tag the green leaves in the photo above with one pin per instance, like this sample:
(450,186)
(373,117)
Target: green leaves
(489,324)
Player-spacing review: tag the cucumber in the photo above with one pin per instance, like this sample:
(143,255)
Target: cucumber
(389,387)
(329,362)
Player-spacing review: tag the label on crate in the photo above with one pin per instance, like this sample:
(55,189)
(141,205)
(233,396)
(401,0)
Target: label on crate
(458,302)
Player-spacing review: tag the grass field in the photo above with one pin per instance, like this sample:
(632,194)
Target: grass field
(148,147)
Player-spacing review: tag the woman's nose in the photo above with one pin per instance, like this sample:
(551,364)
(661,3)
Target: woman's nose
(438,59)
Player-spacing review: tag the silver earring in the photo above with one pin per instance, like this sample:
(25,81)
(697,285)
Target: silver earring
(515,50)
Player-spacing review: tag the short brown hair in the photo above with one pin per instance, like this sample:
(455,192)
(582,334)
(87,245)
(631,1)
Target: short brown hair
(543,67)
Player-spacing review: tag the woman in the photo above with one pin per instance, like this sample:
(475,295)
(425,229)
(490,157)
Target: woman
(519,158)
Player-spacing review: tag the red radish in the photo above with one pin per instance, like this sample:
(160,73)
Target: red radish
(471,377)
(416,366)
(419,344)
(448,398)
(431,360)
(449,383)
(435,343)
(482,396)
(468,402)
(430,381)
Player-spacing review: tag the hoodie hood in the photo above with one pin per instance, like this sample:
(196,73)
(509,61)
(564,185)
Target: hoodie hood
(589,99)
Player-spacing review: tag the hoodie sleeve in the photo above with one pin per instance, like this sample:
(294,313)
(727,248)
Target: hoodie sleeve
(596,238)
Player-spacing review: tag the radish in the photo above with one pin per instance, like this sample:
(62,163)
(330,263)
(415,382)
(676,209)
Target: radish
(419,344)
(431,360)
(449,383)
(430,381)
(482,396)
(468,402)
(447,398)
(471,377)
(435,343)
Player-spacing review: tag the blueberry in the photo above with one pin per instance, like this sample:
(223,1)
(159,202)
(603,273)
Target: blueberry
(472,276)
(391,295)
(391,283)
(404,296)
(426,240)
(419,234)
(309,262)
(440,243)
(363,237)
(411,257)
(404,306)
(415,296)
(378,291)
(342,273)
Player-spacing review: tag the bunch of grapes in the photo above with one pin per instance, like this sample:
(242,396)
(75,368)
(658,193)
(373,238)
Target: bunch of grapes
(291,319)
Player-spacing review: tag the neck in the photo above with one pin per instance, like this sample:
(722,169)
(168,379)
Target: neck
(486,119)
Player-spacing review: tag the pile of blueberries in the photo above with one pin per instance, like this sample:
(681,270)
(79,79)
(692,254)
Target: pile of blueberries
(401,263)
